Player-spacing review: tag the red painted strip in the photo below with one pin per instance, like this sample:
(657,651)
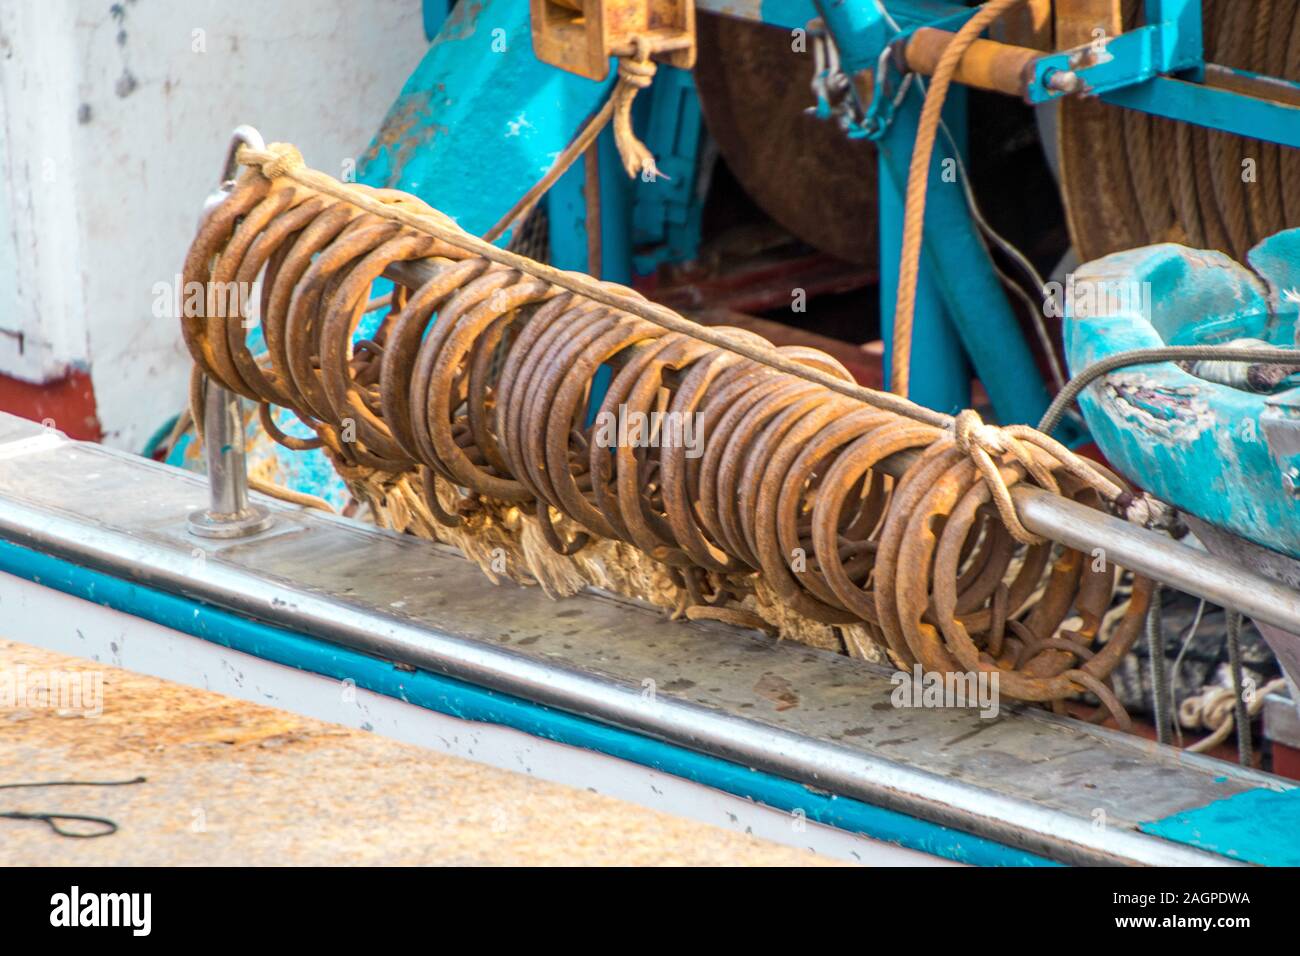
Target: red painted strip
(1286,761)
(67,404)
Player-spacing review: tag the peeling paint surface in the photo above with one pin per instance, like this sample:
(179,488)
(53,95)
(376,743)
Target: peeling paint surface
(113,127)
(480,119)
(1177,415)
(1217,452)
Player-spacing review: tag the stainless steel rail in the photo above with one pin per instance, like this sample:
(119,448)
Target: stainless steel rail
(819,763)
(229,514)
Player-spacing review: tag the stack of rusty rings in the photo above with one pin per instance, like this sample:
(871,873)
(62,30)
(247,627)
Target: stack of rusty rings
(493,397)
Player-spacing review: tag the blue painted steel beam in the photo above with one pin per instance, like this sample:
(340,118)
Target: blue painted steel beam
(466,701)
(940,372)
(1215,108)
(1182,42)
(955,262)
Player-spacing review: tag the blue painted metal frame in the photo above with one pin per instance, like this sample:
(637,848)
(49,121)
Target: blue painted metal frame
(957,282)
(643,224)
(961,307)
(941,370)
(1182,46)
(667,212)
(957,265)
(468,702)
(481,79)
(512,115)
(1214,108)
(1160,69)
(1128,59)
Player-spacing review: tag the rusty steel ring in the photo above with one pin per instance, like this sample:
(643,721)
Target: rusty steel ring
(480,379)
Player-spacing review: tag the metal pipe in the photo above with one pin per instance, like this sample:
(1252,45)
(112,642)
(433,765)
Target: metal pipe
(229,513)
(224,451)
(987,64)
(1102,535)
(1188,569)
(940,370)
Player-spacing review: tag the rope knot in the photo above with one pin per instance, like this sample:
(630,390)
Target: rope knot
(970,432)
(982,442)
(286,160)
(1150,512)
(635,73)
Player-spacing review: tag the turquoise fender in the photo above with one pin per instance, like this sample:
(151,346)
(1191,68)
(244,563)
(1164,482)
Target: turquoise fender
(1228,456)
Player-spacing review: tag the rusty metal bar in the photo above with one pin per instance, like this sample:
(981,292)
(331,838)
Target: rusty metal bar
(987,65)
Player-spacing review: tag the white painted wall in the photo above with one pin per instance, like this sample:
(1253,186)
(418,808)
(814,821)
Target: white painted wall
(114,120)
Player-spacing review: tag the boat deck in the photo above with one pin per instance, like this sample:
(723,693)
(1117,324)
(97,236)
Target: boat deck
(729,727)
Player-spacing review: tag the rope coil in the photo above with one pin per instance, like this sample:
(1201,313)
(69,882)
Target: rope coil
(475,395)
(1214,710)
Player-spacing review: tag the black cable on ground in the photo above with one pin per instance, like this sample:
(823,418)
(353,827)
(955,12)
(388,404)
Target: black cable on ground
(108,826)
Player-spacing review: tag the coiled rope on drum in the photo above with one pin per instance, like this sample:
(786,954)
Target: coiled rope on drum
(1130,179)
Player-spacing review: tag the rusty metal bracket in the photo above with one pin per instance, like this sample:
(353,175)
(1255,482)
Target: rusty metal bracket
(987,64)
(581,35)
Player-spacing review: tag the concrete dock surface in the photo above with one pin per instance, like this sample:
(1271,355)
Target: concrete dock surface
(233,783)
